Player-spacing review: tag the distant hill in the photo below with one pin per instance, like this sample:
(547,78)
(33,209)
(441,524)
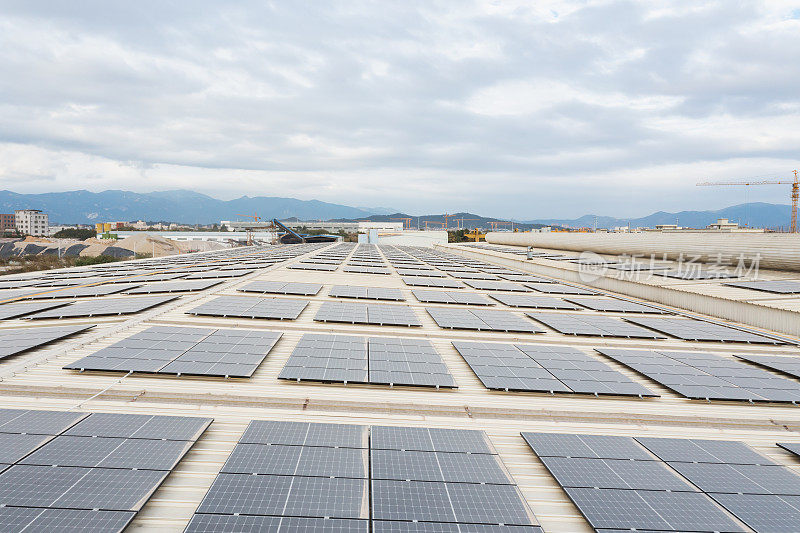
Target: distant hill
(183,206)
(465,220)
(755,214)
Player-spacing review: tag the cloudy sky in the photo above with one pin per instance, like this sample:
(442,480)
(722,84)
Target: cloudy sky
(525,109)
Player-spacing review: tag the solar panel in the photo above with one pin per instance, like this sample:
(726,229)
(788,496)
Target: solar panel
(14,310)
(585,445)
(558,288)
(282,287)
(81,488)
(16,341)
(786,364)
(763,512)
(305,434)
(650,510)
(698,330)
(378,360)
(384,315)
(104,307)
(249,307)
(173,286)
(592,325)
(219,274)
(319,266)
(432,282)
(297,461)
(793,447)
(614,474)
(451,297)
(139,426)
(427,272)
(773,286)
(65,520)
(448,502)
(497,286)
(214,523)
(524,278)
(740,479)
(429,439)
(37,422)
(614,306)
(181,350)
(78,292)
(481,319)
(674,450)
(706,376)
(435,466)
(368,293)
(285,496)
(539,302)
(140,454)
(366,269)
(545,369)
(15,446)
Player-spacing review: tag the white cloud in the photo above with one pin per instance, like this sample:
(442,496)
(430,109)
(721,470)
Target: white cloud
(512,108)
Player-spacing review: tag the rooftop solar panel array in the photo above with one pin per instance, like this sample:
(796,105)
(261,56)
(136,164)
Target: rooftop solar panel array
(449,480)
(248,307)
(697,330)
(362,313)
(534,368)
(319,484)
(16,341)
(280,471)
(76,292)
(497,286)
(682,486)
(432,282)
(538,302)
(366,293)
(282,287)
(451,297)
(219,274)
(174,286)
(558,288)
(184,351)
(359,269)
(612,305)
(103,307)
(481,320)
(707,376)
(62,479)
(377,360)
(774,286)
(592,325)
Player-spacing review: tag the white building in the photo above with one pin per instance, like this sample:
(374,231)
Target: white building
(31,222)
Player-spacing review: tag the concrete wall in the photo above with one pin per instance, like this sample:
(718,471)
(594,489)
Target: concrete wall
(780,251)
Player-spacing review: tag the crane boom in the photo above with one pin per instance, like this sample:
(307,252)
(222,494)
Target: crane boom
(795,192)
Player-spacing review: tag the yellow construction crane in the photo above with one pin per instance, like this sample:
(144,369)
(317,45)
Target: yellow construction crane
(495,223)
(406,221)
(433,222)
(795,192)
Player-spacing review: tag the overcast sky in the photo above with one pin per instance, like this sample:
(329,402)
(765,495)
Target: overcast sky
(525,109)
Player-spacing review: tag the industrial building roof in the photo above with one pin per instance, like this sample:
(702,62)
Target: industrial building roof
(572,399)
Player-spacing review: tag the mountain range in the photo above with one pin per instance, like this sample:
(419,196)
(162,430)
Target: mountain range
(189,207)
(754,214)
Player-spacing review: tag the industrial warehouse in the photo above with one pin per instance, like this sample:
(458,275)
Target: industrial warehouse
(507,386)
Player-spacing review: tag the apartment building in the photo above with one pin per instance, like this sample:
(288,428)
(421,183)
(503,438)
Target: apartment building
(31,222)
